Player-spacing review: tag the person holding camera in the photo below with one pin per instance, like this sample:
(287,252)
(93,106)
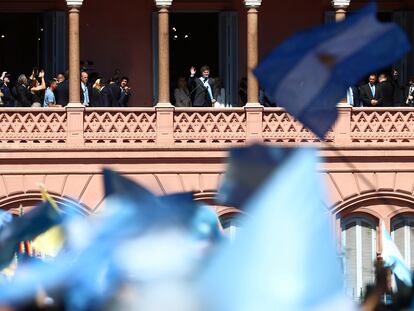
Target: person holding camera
(6,98)
(202,88)
(37,88)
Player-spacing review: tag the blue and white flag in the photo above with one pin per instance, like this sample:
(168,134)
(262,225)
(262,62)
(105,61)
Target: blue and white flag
(393,258)
(310,72)
(284,258)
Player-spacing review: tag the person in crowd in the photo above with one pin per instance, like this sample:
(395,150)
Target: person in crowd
(387,90)
(243,90)
(60,77)
(219,93)
(105,95)
(182,94)
(50,100)
(115,89)
(371,95)
(37,88)
(398,89)
(85,89)
(6,98)
(21,92)
(410,93)
(353,96)
(62,91)
(201,88)
(125,92)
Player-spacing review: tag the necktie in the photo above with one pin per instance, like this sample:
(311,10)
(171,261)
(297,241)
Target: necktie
(373,90)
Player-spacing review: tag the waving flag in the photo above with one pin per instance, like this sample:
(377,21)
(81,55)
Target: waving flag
(247,168)
(284,259)
(393,258)
(30,225)
(310,72)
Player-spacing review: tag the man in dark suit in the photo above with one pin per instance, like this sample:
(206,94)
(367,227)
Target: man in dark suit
(371,94)
(202,88)
(105,95)
(62,92)
(387,90)
(6,97)
(115,89)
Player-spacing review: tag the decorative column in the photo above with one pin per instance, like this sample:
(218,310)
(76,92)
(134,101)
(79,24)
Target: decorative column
(163,53)
(340,7)
(74,58)
(252,51)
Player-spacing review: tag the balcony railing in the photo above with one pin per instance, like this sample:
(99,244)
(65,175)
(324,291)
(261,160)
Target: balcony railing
(174,127)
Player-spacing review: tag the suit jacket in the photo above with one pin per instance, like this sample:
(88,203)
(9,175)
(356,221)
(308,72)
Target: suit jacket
(366,96)
(387,91)
(199,93)
(116,93)
(356,94)
(7,98)
(23,96)
(62,93)
(82,97)
(123,101)
(105,97)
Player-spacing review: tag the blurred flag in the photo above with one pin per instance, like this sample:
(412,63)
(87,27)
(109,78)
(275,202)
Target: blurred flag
(26,228)
(284,259)
(5,219)
(247,168)
(393,258)
(50,242)
(310,72)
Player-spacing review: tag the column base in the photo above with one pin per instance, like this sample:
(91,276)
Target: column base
(75,105)
(253,105)
(164,105)
(343,105)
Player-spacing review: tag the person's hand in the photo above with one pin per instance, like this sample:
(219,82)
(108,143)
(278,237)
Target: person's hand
(3,75)
(374,102)
(410,97)
(193,71)
(1,94)
(41,74)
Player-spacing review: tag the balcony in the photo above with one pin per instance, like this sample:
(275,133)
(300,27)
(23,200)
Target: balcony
(164,128)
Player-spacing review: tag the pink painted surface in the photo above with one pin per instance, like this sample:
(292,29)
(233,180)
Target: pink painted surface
(366,159)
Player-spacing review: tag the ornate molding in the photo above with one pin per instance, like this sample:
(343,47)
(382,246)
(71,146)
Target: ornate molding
(163,3)
(74,3)
(341,4)
(252,3)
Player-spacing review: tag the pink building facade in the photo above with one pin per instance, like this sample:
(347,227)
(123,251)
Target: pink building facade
(366,159)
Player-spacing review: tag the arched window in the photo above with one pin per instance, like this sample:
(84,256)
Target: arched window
(402,232)
(359,250)
(231,225)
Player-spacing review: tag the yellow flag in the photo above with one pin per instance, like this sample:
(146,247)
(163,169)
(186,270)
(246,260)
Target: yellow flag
(50,242)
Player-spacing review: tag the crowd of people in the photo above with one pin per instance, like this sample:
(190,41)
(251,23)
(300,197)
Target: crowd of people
(382,91)
(34,91)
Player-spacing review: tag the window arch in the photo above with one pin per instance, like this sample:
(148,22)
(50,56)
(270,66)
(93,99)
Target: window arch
(402,232)
(359,247)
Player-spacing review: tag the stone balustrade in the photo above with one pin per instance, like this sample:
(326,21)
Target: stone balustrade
(166,127)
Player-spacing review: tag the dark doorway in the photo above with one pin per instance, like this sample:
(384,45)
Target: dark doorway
(194,41)
(21,36)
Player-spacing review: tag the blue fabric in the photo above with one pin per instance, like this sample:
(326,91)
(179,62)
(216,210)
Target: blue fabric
(247,169)
(49,98)
(345,64)
(85,91)
(284,258)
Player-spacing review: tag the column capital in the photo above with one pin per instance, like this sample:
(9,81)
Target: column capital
(163,3)
(340,4)
(252,4)
(74,3)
